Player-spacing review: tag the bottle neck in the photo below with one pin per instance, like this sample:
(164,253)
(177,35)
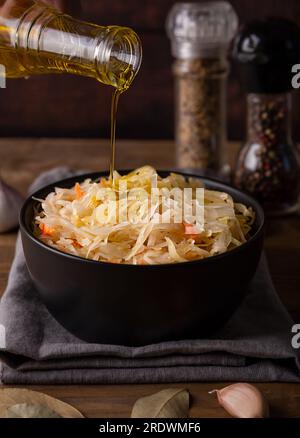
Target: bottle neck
(48,41)
(269,118)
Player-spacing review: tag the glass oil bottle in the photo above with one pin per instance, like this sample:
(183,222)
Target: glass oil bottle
(38,39)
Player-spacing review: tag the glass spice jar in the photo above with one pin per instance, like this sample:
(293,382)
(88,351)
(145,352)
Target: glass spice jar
(268,166)
(200,34)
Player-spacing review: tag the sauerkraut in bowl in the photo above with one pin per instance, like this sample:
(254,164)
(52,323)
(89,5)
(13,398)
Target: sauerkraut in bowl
(142,218)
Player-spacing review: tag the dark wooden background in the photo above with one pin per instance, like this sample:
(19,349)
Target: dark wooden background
(70,106)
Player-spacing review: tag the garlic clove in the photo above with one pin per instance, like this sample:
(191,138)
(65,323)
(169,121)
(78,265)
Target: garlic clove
(10,205)
(242,400)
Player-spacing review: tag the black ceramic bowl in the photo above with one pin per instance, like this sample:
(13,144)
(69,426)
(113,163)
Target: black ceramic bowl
(138,305)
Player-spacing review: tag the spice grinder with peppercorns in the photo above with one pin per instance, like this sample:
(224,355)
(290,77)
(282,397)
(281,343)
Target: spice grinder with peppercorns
(200,35)
(268,165)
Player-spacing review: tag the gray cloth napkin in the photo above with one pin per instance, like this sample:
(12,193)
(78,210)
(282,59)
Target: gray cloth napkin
(254,346)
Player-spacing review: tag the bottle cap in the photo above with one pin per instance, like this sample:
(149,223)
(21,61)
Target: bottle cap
(200,28)
(266,50)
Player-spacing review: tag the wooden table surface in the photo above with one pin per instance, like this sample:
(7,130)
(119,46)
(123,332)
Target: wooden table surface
(21,160)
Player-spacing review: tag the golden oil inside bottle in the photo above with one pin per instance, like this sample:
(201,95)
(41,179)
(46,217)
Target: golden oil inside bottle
(36,39)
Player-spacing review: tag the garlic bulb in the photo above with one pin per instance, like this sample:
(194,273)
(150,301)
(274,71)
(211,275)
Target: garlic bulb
(10,204)
(242,400)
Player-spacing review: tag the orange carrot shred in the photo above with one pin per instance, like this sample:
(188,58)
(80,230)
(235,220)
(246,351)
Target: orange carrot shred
(76,244)
(46,231)
(190,229)
(78,191)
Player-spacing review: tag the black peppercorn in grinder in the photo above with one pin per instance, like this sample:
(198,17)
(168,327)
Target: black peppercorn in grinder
(268,166)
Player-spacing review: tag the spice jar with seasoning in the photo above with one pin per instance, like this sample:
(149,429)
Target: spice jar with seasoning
(268,166)
(200,35)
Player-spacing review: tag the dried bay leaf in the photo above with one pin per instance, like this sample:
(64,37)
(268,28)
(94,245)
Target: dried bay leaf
(169,403)
(25,410)
(12,403)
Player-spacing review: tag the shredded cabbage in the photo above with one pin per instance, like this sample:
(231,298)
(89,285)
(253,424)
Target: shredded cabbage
(79,220)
